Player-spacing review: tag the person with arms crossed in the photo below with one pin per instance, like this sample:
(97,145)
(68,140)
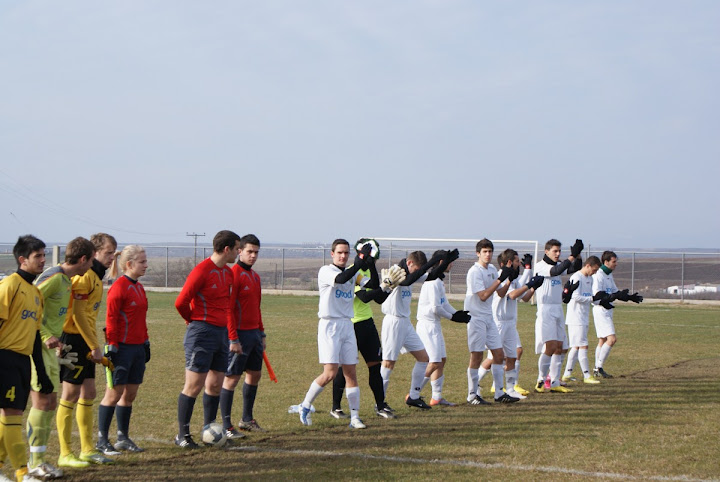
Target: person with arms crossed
(248,331)
(550,323)
(603,282)
(55,285)
(127,346)
(21,311)
(204,304)
(337,344)
(80,332)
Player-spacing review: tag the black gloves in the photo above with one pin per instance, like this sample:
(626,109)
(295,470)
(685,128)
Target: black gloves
(452,256)
(623,295)
(514,273)
(46,385)
(605,303)
(147,351)
(535,282)
(527,261)
(600,295)
(568,290)
(362,259)
(576,248)
(461,317)
(504,273)
(635,298)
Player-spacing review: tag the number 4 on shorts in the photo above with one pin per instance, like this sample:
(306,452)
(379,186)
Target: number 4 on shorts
(10,395)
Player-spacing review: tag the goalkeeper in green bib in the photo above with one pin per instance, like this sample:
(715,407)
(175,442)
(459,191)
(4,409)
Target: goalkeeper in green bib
(368,339)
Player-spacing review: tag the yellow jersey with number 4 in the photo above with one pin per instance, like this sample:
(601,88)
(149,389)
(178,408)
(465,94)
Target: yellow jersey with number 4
(21,310)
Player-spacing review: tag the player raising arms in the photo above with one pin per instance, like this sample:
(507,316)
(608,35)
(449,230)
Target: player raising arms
(603,281)
(80,332)
(579,297)
(21,311)
(56,288)
(337,344)
(248,331)
(204,304)
(432,306)
(127,347)
(549,324)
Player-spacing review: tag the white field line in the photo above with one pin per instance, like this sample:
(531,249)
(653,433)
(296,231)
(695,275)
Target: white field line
(669,324)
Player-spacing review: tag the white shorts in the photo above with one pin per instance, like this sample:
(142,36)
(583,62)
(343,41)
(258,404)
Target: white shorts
(604,325)
(483,333)
(509,338)
(577,335)
(398,333)
(432,337)
(549,325)
(337,342)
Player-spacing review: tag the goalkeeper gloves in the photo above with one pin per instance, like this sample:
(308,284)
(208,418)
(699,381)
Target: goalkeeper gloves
(635,298)
(67,358)
(514,273)
(576,248)
(362,259)
(461,317)
(605,303)
(397,275)
(527,261)
(601,295)
(452,255)
(147,350)
(504,273)
(46,385)
(535,282)
(568,290)
(623,295)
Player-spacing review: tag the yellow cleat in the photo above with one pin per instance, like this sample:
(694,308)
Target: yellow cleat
(568,379)
(561,389)
(591,380)
(540,387)
(70,460)
(521,391)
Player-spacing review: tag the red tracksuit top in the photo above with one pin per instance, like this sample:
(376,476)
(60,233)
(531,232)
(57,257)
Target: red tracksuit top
(127,307)
(206,295)
(245,301)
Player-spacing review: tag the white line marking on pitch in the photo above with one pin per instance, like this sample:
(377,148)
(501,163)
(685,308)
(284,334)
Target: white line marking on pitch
(668,324)
(467,463)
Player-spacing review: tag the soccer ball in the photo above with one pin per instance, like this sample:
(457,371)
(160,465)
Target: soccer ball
(374,252)
(213,434)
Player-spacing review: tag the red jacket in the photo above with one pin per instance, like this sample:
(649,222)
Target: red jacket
(127,307)
(206,294)
(245,301)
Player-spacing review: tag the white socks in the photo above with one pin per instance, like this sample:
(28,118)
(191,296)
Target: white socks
(417,382)
(498,372)
(385,374)
(313,393)
(555,367)
(473,380)
(543,366)
(572,358)
(584,363)
(604,353)
(437,387)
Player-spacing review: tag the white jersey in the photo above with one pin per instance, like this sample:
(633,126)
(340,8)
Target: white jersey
(398,303)
(433,304)
(578,310)
(503,308)
(603,282)
(336,300)
(550,292)
(479,279)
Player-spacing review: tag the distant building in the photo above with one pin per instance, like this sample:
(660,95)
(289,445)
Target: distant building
(693,289)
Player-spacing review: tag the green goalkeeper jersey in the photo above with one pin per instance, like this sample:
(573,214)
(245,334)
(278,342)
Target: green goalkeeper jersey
(362,311)
(56,289)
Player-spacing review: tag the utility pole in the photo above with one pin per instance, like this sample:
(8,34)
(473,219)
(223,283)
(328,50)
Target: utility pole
(195,235)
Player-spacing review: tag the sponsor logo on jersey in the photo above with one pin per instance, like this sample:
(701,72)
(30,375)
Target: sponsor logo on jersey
(442,301)
(214,287)
(587,294)
(343,294)
(63,311)
(406,293)
(555,282)
(133,304)
(247,288)
(28,314)
(96,306)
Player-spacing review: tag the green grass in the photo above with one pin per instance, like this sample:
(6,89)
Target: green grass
(658,417)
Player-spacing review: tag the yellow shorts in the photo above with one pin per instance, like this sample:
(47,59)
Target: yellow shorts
(52,368)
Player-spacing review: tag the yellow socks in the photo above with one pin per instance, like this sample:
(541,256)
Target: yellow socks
(64,425)
(85,419)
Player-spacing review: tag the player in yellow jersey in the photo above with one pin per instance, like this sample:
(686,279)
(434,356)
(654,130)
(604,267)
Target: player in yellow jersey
(21,309)
(80,332)
(55,285)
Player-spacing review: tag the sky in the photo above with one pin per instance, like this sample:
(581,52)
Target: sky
(304,121)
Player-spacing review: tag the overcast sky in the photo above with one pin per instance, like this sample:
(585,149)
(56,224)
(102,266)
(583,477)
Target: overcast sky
(302,121)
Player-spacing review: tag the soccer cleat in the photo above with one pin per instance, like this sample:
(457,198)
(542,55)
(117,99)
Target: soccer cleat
(95,457)
(561,389)
(338,413)
(515,394)
(568,379)
(492,388)
(521,390)
(478,400)
(45,471)
(540,387)
(442,402)
(251,426)
(24,475)
(232,435)
(127,445)
(70,460)
(418,402)
(385,411)
(505,398)
(547,381)
(599,372)
(356,423)
(186,442)
(591,381)
(106,448)
(305,416)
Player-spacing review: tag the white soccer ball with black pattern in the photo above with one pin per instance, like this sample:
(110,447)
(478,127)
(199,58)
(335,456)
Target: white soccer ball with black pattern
(213,434)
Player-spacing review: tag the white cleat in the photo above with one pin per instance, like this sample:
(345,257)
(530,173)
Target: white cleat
(356,423)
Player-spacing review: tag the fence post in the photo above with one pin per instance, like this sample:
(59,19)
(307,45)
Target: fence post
(275,280)
(682,279)
(282,271)
(390,256)
(167,256)
(632,276)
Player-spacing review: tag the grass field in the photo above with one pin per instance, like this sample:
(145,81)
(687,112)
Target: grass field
(658,418)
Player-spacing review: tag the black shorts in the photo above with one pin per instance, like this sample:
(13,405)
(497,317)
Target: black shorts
(84,368)
(129,364)
(14,380)
(368,340)
(252,355)
(206,347)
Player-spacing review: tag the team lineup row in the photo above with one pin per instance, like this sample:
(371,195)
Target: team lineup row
(49,344)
